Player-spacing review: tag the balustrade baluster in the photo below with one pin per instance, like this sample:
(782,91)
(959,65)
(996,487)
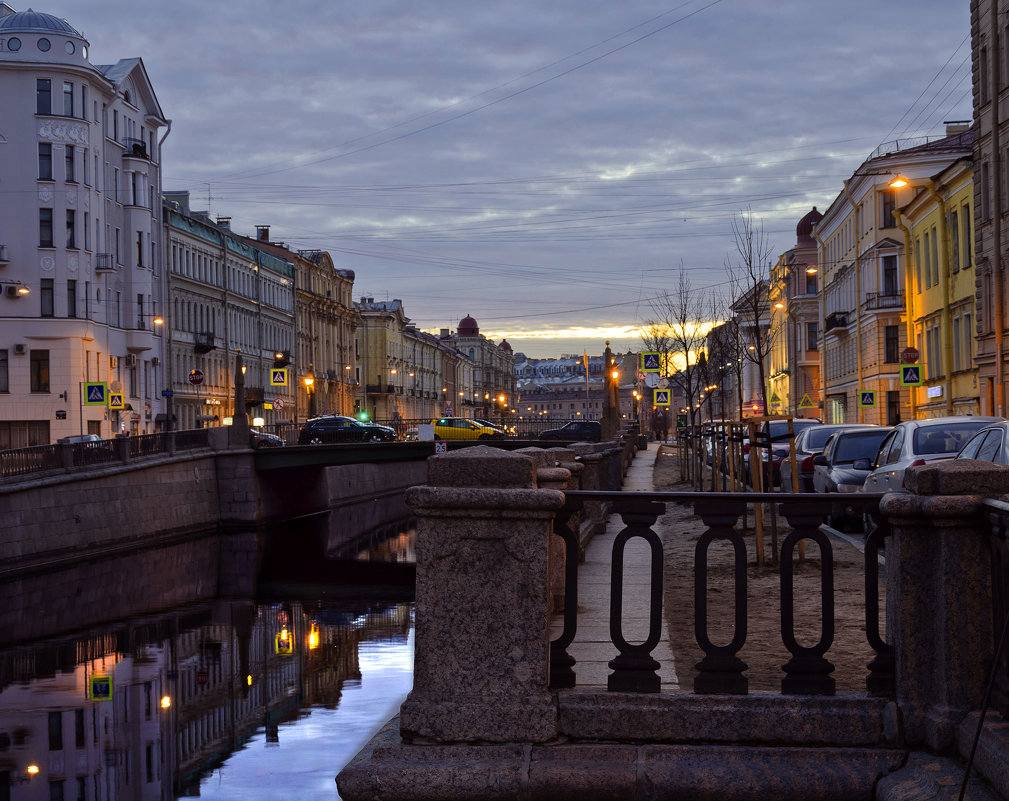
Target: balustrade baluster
(721,670)
(880,681)
(562,674)
(634,669)
(808,671)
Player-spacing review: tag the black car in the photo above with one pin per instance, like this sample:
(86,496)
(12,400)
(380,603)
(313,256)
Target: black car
(575,431)
(336,428)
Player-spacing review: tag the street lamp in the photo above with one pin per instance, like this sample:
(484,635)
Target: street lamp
(310,390)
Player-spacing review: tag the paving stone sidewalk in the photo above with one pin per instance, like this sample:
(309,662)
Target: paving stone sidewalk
(592,648)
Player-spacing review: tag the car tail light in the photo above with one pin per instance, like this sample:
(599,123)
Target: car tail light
(917,463)
(807,464)
(746,447)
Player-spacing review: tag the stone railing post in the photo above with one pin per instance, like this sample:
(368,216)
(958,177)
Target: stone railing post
(938,595)
(481,659)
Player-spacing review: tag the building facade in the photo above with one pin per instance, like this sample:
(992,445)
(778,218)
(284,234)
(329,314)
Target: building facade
(80,237)
(493,396)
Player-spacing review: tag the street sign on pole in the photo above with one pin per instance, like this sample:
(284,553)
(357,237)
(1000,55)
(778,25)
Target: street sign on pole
(910,375)
(196,377)
(96,393)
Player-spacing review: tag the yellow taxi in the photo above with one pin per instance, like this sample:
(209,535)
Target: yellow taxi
(463,428)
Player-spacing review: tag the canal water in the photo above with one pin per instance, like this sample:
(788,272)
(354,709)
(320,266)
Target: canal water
(259,698)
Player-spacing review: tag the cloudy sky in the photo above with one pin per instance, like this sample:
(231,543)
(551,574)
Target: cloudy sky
(547,166)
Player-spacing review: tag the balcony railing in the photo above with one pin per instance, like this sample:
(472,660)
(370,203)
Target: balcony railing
(835,320)
(104,262)
(881,300)
(203,342)
(136,148)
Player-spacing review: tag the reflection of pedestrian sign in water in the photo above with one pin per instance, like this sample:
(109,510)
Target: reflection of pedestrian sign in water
(910,375)
(661,397)
(806,402)
(117,400)
(650,362)
(775,398)
(95,394)
(867,398)
(278,377)
(101,687)
(283,643)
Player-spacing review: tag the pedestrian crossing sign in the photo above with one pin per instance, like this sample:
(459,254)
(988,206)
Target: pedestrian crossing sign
(96,394)
(775,398)
(661,397)
(651,362)
(806,402)
(867,398)
(910,375)
(117,400)
(100,687)
(278,377)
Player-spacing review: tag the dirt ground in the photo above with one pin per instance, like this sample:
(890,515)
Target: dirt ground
(763,652)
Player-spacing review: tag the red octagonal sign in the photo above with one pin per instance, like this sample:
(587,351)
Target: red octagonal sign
(196,377)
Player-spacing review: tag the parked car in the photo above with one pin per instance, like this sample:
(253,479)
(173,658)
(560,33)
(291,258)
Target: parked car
(808,443)
(777,430)
(835,470)
(260,439)
(463,428)
(990,444)
(575,431)
(337,428)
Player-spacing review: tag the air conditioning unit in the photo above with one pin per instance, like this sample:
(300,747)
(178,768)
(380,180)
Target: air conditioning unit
(155,361)
(12,291)
(20,348)
(131,360)
(113,362)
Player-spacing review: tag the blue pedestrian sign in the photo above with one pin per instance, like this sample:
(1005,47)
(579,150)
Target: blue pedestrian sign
(117,400)
(661,397)
(910,375)
(96,394)
(651,362)
(867,398)
(278,377)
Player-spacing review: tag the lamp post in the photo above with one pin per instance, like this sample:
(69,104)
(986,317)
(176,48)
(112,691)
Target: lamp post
(310,390)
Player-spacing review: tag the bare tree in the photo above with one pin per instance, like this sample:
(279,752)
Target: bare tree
(676,330)
(749,274)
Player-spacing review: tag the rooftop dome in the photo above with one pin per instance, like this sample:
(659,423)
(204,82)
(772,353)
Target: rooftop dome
(36,22)
(504,345)
(804,230)
(468,327)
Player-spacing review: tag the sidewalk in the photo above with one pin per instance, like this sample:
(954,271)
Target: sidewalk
(592,648)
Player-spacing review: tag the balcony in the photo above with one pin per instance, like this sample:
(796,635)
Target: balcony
(203,342)
(104,263)
(835,320)
(136,148)
(380,389)
(880,300)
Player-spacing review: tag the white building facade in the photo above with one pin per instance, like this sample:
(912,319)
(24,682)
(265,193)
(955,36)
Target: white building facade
(81,257)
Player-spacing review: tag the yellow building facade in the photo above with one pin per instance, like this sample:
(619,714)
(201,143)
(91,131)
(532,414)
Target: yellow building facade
(941,300)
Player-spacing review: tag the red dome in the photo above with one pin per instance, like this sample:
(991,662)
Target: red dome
(505,346)
(804,230)
(468,327)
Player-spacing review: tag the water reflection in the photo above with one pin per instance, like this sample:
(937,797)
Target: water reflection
(220,698)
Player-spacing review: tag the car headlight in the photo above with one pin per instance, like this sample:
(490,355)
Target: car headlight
(849,487)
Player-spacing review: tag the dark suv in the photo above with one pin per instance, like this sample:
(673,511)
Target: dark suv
(336,428)
(575,431)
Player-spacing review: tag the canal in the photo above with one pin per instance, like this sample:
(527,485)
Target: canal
(227,698)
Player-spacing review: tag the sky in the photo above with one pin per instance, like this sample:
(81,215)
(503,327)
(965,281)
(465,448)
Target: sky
(547,167)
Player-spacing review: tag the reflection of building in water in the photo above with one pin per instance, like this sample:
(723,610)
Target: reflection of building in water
(88,712)
(390,544)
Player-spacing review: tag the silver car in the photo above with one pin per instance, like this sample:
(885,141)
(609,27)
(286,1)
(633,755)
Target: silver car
(918,442)
(989,444)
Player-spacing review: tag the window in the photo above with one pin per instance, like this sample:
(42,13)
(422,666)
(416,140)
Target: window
(891,344)
(39,363)
(45,228)
(928,263)
(957,355)
(985,191)
(79,728)
(84,102)
(45,161)
(892,407)
(87,232)
(115,125)
(917,263)
(55,724)
(966,236)
(810,283)
(140,312)
(4,371)
(935,257)
(982,62)
(812,334)
(68,99)
(71,229)
(890,275)
(46,293)
(119,241)
(889,203)
(55,790)
(140,248)
(43,96)
(954,238)
(69,162)
(71,297)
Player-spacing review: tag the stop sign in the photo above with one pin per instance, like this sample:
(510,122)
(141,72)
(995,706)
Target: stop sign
(196,377)
(909,355)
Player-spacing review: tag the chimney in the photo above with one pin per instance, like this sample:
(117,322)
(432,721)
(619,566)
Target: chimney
(444,333)
(224,222)
(262,233)
(954,127)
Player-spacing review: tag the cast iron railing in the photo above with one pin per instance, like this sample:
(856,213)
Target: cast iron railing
(721,671)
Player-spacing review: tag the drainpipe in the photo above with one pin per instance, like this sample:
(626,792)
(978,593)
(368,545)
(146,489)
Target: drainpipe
(908,297)
(858,301)
(993,91)
(165,267)
(821,294)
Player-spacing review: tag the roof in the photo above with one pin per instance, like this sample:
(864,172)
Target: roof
(36,22)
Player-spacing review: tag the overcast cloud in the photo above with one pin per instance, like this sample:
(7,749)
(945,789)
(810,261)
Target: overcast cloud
(538,165)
